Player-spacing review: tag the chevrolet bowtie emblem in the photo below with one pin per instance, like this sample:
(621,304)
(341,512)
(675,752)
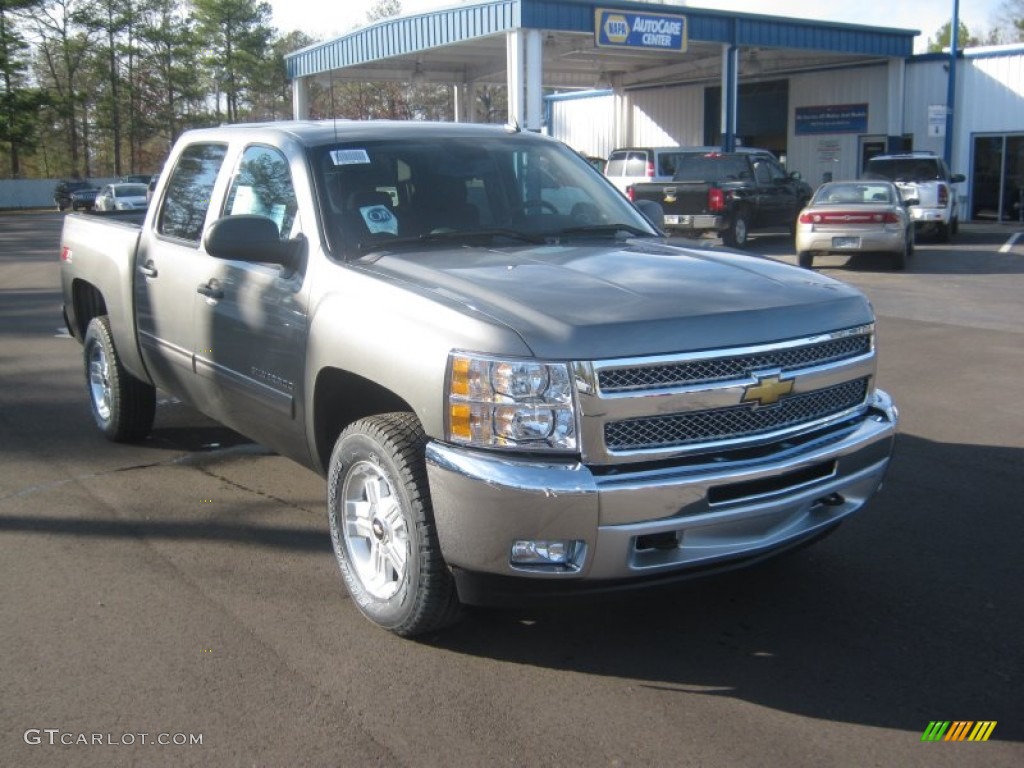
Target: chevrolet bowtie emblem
(768,390)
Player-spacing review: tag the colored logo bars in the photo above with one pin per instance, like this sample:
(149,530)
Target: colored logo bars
(958,730)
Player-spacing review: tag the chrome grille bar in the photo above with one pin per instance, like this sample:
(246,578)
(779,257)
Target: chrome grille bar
(734,422)
(703,371)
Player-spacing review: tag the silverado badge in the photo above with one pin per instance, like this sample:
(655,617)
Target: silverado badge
(768,390)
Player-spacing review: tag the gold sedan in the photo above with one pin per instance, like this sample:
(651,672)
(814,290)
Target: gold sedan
(855,217)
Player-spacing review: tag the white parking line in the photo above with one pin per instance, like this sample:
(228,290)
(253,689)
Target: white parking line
(1008,245)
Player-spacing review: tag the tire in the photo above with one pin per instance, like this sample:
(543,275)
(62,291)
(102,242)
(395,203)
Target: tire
(805,259)
(382,526)
(942,233)
(954,226)
(123,407)
(899,259)
(737,235)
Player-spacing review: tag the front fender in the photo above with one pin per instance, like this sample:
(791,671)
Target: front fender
(398,336)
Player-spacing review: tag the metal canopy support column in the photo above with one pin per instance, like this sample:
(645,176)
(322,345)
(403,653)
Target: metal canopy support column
(459,94)
(895,104)
(514,57)
(534,80)
(471,97)
(730,89)
(300,98)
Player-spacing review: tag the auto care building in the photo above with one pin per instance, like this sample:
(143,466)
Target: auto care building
(825,97)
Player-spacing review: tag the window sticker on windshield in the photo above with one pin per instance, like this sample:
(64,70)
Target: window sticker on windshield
(379,219)
(350,156)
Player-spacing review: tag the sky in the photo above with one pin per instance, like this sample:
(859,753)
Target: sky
(927,16)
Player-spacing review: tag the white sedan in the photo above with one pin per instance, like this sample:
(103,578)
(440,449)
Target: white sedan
(856,217)
(127,196)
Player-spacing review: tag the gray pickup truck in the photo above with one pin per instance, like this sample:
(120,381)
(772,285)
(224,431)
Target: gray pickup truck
(513,386)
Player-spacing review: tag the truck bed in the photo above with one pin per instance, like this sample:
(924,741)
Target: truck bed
(102,246)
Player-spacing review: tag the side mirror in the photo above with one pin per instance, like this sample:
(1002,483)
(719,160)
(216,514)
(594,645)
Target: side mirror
(653,212)
(795,175)
(909,201)
(956,178)
(248,238)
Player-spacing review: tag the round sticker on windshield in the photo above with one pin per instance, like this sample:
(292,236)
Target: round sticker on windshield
(379,218)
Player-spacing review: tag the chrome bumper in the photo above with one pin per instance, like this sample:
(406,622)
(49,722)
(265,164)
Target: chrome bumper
(648,522)
(696,222)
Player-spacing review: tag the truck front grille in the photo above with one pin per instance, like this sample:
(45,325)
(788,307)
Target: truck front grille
(733,422)
(727,368)
(653,408)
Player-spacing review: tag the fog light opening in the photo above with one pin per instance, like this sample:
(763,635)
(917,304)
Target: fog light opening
(547,554)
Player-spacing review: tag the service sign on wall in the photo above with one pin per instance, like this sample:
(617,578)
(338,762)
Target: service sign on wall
(832,118)
(652,31)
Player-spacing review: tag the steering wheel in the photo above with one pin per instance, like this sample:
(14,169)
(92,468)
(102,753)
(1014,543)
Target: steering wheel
(538,203)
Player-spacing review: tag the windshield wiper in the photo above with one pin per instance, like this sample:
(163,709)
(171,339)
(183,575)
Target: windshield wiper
(605,229)
(451,236)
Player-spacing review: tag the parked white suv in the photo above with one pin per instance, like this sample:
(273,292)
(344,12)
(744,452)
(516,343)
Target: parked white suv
(925,177)
(637,165)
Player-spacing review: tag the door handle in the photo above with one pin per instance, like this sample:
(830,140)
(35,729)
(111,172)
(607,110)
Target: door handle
(210,290)
(148,269)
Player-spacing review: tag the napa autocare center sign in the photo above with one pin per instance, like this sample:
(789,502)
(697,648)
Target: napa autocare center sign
(650,31)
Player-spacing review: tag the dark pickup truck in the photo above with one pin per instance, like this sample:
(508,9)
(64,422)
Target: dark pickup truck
(727,193)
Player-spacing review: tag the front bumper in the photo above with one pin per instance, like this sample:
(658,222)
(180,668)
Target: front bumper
(650,522)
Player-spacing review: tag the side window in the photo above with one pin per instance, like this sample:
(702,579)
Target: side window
(762,172)
(187,198)
(262,186)
(616,164)
(777,171)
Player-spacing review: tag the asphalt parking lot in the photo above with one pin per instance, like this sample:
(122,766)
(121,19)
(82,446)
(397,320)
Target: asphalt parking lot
(185,586)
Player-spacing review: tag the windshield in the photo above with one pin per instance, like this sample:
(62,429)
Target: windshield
(501,190)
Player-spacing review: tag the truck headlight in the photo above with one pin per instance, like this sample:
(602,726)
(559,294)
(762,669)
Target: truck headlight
(502,403)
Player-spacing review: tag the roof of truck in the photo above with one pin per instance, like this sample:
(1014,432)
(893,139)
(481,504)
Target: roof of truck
(318,132)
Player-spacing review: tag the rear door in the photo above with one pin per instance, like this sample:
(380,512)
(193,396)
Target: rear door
(170,265)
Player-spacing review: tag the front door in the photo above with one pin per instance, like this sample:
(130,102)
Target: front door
(250,319)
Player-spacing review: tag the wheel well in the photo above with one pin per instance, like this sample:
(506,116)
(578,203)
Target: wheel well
(88,303)
(340,398)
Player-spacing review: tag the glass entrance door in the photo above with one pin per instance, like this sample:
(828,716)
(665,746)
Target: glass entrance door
(997,179)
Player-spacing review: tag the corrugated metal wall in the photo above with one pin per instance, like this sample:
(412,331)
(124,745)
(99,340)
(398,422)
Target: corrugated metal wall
(587,125)
(667,116)
(837,153)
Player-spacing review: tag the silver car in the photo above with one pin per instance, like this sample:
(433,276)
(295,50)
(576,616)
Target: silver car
(127,196)
(856,217)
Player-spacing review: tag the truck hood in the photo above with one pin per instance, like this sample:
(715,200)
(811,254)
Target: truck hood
(607,301)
